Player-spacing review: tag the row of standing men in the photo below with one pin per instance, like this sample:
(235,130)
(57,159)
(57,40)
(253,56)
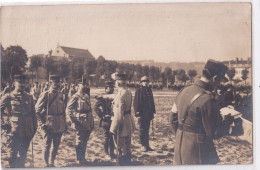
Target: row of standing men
(20,118)
(195,118)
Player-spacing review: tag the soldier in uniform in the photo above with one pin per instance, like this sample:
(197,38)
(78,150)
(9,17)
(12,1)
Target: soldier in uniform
(103,108)
(35,92)
(80,114)
(199,119)
(50,109)
(19,121)
(72,91)
(65,91)
(144,111)
(122,125)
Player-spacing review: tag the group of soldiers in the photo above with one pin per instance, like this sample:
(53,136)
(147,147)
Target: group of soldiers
(194,117)
(58,106)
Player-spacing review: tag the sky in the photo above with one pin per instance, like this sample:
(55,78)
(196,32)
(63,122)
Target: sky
(181,32)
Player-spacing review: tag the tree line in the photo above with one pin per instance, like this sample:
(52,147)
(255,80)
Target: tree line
(15,60)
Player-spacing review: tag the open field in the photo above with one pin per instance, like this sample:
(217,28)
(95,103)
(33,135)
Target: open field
(230,149)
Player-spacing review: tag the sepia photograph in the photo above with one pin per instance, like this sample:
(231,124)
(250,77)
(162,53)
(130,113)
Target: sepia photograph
(126,84)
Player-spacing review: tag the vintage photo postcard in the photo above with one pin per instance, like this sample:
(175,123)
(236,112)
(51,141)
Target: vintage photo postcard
(126,85)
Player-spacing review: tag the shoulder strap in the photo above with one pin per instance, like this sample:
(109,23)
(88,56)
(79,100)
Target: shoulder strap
(50,103)
(191,102)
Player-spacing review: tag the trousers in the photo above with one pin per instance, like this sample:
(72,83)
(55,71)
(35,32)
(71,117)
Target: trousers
(18,144)
(109,144)
(82,137)
(53,139)
(144,132)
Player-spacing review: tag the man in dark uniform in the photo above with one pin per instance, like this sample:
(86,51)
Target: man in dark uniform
(19,121)
(144,110)
(199,119)
(50,109)
(103,108)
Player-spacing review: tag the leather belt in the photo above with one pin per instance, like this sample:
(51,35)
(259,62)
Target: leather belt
(191,128)
(21,115)
(58,114)
(84,111)
(127,112)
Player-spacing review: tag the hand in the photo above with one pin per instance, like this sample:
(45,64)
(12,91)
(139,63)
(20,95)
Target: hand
(45,128)
(228,120)
(139,120)
(77,123)
(7,127)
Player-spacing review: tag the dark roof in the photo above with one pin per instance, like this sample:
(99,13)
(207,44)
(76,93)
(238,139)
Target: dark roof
(75,52)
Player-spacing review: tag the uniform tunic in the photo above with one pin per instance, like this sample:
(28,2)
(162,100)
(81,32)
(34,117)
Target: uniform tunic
(80,113)
(103,108)
(195,145)
(123,120)
(21,112)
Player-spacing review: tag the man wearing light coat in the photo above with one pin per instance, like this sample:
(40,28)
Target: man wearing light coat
(122,125)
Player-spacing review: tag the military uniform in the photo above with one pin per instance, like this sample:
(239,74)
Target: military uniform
(35,92)
(79,111)
(65,92)
(103,108)
(50,109)
(123,123)
(197,126)
(23,124)
(144,104)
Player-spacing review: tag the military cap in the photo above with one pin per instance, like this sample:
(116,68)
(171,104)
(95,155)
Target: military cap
(20,78)
(216,68)
(55,77)
(144,78)
(109,83)
(121,76)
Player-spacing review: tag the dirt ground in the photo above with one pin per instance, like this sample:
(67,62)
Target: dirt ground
(231,150)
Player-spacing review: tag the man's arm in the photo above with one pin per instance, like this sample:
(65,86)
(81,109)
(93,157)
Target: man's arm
(152,99)
(71,108)
(39,107)
(98,107)
(137,102)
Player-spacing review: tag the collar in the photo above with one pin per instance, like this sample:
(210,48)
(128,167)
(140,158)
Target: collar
(202,84)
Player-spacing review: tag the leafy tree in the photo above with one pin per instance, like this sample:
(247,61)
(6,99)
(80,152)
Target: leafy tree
(231,73)
(50,66)
(63,67)
(168,73)
(192,73)
(146,70)
(245,74)
(181,75)
(36,61)
(152,73)
(14,59)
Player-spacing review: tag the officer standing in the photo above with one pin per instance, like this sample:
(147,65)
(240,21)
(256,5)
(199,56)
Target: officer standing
(80,113)
(19,121)
(50,109)
(144,111)
(103,108)
(122,125)
(35,92)
(199,119)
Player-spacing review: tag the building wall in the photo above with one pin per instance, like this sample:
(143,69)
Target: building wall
(59,52)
